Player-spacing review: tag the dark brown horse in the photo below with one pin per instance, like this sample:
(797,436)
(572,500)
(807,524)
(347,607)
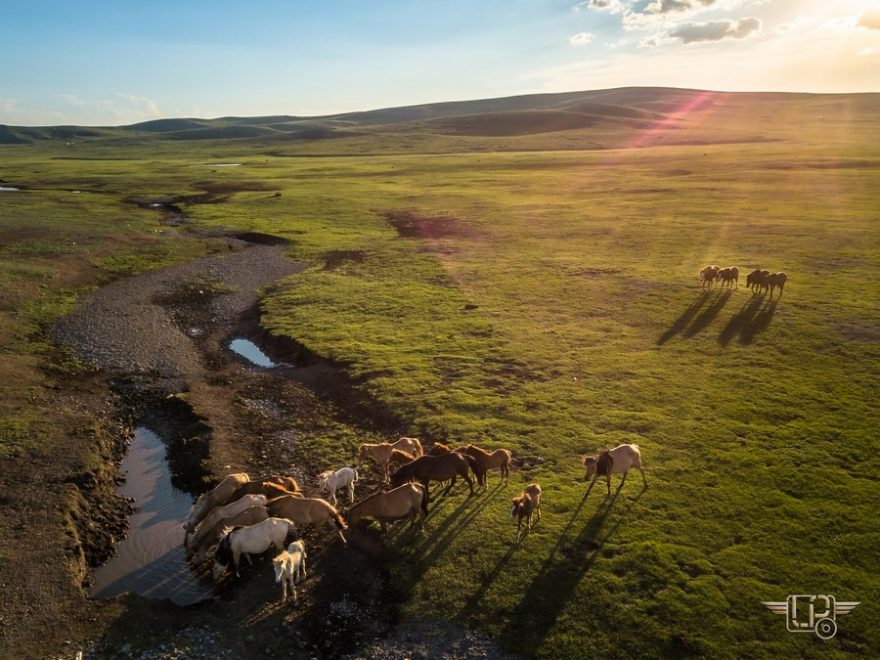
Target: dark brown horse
(438,449)
(436,468)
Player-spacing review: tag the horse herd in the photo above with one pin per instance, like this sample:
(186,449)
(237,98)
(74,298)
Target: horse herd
(758,280)
(241,517)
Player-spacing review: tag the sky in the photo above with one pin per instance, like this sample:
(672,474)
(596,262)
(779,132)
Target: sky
(96,62)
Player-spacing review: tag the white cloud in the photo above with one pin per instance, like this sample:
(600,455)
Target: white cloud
(117,108)
(673,6)
(716,30)
(10,105)
(580,39)
(866,52)
(611,6)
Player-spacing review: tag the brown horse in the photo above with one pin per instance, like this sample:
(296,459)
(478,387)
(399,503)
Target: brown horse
(287,483)
(307,511)
(436,468)
(708,275)
(380,453)
(268,488)
(500,458)
(408,500)
(399,458)
(438,449)
(729,276)
(776,280)
(409,445)
(220,495)
(524,505)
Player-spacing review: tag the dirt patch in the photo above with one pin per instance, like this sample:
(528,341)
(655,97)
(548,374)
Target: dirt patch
(261,239)
(861,330)
(411,224)
(336,258)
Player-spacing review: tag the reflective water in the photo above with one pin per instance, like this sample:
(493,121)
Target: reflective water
(151,560)
(251,352)
(223,164)
(8,188)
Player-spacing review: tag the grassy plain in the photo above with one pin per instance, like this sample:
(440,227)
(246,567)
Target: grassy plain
(538,293)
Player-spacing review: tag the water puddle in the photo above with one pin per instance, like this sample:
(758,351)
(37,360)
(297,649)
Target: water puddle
(251,352)
(8,188)
(223,165)
(151,560)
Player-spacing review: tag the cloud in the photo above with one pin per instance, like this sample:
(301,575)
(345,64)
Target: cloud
(10,105)
(673,6)
(716,30)
(870,19)
(865,52)
(580,39)
(611,6)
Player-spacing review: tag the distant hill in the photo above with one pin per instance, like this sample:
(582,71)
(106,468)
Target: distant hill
(588,114)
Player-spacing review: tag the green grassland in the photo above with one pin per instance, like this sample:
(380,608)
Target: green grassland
(537,289)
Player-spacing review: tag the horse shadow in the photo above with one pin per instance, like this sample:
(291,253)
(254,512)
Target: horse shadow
(759,323)
(678,326)
(708,315)
(742,321)
(562,572)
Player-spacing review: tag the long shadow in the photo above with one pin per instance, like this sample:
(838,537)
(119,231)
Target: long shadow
(707,315)
(678,326)
(759,323)
(740,322)
(537,612)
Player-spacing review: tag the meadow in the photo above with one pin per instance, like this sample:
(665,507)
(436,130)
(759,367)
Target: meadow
(539,291)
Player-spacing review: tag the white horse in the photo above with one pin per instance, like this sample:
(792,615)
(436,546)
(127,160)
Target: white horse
(220,495)
(245,541)
(290,567)
(614,461)
(331,481)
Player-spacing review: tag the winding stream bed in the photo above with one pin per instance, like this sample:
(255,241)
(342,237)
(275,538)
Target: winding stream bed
(151,560)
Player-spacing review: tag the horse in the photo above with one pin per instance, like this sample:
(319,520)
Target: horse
(500,458)
(398,458)
(270,489)
(708,275)
(206,537)
(614,461)
(221,494)
(380,453)
(255,539)
(307,511)
(439,448)
(776,280)
(332,481)
(193,539)
(290,567)
(729,276)
(755,279)
(409,445)
(287,483)
(436,468)
(405,501)
(524,505)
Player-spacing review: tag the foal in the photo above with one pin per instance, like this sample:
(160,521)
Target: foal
(524,505)
(290,567)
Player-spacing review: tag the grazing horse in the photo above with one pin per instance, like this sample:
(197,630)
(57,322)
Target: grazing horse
(331,481)
(524,505)
(290,567)
(287,483)
(500,458)
(614,461)
(246,541)
(409,445)
(207,537)
(268,488)
(405,501)
(439,448)
(193,539)
(307,511)
(219,496)
(380,453)
(399,458)
(708,275)
(776,280)
(436,468)
(729,276)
